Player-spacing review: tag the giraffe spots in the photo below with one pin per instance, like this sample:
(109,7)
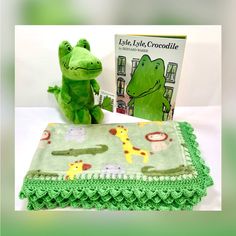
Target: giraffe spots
(128,149)
(113,131)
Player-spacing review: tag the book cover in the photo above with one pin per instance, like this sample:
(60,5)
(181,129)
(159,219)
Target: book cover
(148,69)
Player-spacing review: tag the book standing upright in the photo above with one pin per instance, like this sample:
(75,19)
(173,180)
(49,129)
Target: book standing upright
(147,74)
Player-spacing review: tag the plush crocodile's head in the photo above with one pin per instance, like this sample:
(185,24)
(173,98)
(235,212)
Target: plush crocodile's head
(147,77)
(77,63)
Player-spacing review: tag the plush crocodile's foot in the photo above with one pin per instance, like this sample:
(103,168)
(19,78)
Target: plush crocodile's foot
(97,114)
(82,117)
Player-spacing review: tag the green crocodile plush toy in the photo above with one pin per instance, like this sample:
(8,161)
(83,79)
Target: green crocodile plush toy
(147,88)
(79,69)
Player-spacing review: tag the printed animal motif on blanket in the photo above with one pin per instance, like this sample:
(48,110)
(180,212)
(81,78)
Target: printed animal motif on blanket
(76,168)
(129,149)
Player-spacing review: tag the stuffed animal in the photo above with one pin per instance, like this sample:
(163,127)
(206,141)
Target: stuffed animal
(79,69)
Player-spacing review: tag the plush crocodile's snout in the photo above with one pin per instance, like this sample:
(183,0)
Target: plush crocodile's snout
(113,131)
(93,65)
(82,59)
(98,62)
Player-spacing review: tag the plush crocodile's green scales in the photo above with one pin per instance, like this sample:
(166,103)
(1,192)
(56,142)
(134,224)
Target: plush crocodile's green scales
(138,166)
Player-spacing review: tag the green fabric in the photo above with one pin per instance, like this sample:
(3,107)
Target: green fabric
(138,166)
(79,69)
(147,88)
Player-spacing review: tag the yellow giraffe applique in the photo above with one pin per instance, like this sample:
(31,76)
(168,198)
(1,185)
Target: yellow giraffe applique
(76,168)
(129,150)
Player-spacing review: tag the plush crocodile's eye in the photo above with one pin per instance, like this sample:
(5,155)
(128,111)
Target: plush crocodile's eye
(64,49)
(143,64)
(156,67)
(67,46)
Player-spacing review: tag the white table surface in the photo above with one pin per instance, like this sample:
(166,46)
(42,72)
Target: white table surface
(31,121)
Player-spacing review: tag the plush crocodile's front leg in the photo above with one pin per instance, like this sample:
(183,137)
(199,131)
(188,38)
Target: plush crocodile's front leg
(95,86)
(97,114)
(82,116)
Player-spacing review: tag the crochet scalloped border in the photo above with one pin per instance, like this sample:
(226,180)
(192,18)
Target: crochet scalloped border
(124,194)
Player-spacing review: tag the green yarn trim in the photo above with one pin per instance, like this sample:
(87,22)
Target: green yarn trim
(146,193)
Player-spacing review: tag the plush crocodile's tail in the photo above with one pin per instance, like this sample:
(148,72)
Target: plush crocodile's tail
(55,90)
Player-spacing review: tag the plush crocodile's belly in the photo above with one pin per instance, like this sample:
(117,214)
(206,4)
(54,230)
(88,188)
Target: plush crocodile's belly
(82,94)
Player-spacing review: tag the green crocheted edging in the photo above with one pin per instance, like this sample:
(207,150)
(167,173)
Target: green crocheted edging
(124,194)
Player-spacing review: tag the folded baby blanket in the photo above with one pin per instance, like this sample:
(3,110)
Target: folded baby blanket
(138,166)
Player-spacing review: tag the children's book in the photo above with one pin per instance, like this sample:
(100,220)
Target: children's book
(148,69)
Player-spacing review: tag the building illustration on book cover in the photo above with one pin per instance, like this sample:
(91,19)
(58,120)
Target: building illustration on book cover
(147,75)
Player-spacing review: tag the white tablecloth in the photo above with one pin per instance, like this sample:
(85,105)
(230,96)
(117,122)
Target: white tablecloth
(30,122)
